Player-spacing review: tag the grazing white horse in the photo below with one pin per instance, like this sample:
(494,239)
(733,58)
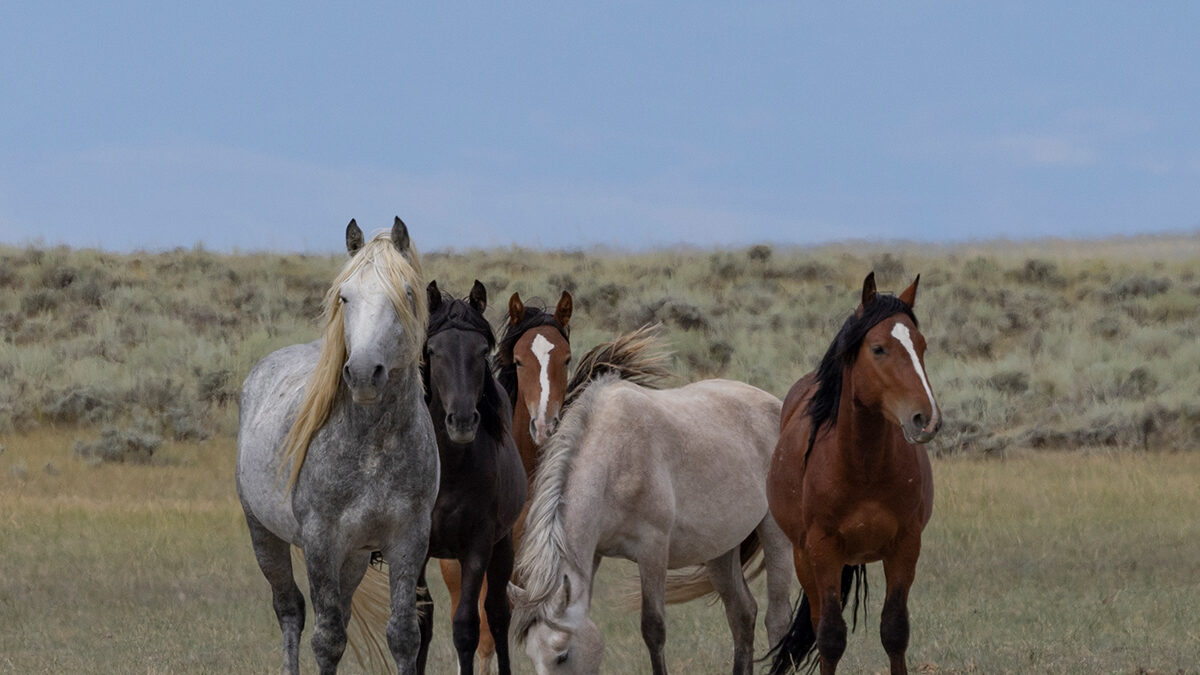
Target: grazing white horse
(667,479)
(336,452)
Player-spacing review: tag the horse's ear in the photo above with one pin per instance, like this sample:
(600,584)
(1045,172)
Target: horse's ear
(562,313)
(909,296)
(516,309)
(868,295)
(354,238)
(516,594)
(566,595)
(400,237)
(434,294)
(478,297)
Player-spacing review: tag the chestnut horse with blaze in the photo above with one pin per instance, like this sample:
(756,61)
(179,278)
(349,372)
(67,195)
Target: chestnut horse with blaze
(850,481)
(531,365)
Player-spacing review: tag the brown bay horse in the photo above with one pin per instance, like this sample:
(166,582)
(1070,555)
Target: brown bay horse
(850,481)
(531,363)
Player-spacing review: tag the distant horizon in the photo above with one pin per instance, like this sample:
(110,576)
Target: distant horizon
(872,245)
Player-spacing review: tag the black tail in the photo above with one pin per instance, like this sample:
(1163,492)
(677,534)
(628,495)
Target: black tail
(798,648)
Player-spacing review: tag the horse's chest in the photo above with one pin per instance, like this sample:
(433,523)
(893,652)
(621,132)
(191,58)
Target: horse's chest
(866,531)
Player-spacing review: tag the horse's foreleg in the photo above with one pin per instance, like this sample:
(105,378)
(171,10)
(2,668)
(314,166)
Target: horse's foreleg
(406,562)
(353,569)
(496,601)
(324,566)
(653,572)
(466,617)
(826,564)
(740,608)
(899,570)
(275,560)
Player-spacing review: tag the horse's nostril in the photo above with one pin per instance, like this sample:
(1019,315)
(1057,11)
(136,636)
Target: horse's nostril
(919,421)
(346,372)
(378,374)
(474,417)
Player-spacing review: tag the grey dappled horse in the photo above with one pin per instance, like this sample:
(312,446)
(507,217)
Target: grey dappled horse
(667,479)
(336,452)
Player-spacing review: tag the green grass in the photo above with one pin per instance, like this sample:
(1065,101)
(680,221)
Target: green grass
(1043,562)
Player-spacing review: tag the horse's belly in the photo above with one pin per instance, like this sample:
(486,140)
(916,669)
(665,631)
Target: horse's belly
(867,532)
(263,496)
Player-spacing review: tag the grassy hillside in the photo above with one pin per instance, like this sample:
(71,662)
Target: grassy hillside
(1042,345)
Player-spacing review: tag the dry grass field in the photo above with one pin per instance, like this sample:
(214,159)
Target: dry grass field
(1065,537)
(1040,562)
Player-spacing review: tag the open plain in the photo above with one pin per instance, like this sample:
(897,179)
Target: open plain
(1065,535)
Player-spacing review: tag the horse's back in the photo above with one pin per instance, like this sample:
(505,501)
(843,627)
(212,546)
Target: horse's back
(692,460)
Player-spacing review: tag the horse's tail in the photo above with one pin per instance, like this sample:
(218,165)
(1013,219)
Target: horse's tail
(694,583)
(798,648)
(370,609)
(636,356)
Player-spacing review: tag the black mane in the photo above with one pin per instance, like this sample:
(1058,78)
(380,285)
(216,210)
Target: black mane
(455,314)
(823,406)
(503,364)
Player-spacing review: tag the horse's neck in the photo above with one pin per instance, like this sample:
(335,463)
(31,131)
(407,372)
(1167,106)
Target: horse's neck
(525,445)
(866,439)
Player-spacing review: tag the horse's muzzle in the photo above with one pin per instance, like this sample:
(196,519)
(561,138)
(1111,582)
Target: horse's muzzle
(917,431)
(540,433)
(462,429)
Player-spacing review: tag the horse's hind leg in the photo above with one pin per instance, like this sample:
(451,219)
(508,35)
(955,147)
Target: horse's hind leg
(777,555)
(899,570)
(740,609)
(275,560)
(495,600)
(653,572)
(424,619)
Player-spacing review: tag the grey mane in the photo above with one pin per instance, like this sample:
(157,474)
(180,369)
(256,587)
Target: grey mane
(543,550)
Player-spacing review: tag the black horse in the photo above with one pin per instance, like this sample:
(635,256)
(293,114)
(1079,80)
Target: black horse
(482,486)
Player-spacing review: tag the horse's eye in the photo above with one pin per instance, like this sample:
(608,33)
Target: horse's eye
(877,350)
(342,299)
(562,658)
(519,364)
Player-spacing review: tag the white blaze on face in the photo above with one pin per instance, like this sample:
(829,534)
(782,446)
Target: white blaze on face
(900,332)
(369,316)
(541,349)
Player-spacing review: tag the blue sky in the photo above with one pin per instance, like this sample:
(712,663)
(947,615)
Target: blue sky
(268,125)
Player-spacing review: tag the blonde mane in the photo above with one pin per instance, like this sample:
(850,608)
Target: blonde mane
(395,271)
